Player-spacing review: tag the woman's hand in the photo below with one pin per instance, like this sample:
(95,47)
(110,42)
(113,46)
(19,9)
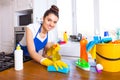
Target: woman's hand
(46,62)
(60,64)
(57,64)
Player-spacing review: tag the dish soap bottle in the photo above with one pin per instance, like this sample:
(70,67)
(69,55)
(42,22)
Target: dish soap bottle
(18,58)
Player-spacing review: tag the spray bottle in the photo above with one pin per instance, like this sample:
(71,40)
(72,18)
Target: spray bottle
(18,58)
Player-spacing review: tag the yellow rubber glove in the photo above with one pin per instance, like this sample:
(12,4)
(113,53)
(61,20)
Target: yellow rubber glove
(46,62)
(60,64)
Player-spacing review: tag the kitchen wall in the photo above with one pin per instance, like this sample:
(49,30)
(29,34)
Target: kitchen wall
(6,26)
(0,32)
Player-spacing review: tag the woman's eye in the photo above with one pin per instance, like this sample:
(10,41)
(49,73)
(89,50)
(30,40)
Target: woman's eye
(55,22)
(49,19)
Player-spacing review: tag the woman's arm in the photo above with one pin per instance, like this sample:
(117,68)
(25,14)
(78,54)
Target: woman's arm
(31,47)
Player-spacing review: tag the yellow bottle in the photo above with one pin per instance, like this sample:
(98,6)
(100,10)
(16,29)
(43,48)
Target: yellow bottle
(18,58)
(65,37)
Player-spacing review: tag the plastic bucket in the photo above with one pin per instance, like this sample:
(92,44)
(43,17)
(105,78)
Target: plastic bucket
(108,55)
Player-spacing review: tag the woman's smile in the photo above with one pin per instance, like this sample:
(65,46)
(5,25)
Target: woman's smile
(50,22)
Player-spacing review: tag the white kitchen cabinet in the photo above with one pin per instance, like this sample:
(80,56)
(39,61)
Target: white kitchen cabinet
(39,8)
(70,49)
(23,5)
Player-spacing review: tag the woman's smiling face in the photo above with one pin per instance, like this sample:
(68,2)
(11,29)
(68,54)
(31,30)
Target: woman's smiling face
(49,22)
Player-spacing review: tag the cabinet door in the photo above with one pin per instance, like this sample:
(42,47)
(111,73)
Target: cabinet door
(23,5)
(39,8)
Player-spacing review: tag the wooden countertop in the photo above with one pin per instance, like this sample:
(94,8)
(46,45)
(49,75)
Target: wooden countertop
(35,71)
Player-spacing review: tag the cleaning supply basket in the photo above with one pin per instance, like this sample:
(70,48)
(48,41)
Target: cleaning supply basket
(108,55)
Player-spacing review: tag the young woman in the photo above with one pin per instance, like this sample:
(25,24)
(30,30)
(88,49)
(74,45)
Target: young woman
(36,38)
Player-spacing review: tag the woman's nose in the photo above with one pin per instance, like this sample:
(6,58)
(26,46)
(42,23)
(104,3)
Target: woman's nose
(52,24)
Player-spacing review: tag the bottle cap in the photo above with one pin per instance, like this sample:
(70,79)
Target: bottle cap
(106,33)
(18,47)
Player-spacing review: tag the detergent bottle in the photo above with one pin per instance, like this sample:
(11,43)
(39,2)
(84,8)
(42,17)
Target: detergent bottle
(83,51)
(18,58)
(83,60)
(65,37)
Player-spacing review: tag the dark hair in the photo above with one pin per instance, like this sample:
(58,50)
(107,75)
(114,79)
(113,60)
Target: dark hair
(54,10)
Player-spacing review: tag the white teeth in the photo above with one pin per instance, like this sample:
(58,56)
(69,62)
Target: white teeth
(49,27)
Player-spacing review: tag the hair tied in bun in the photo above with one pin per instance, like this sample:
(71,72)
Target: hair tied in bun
(54,8)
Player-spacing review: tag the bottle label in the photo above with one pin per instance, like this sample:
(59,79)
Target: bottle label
(18,59)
